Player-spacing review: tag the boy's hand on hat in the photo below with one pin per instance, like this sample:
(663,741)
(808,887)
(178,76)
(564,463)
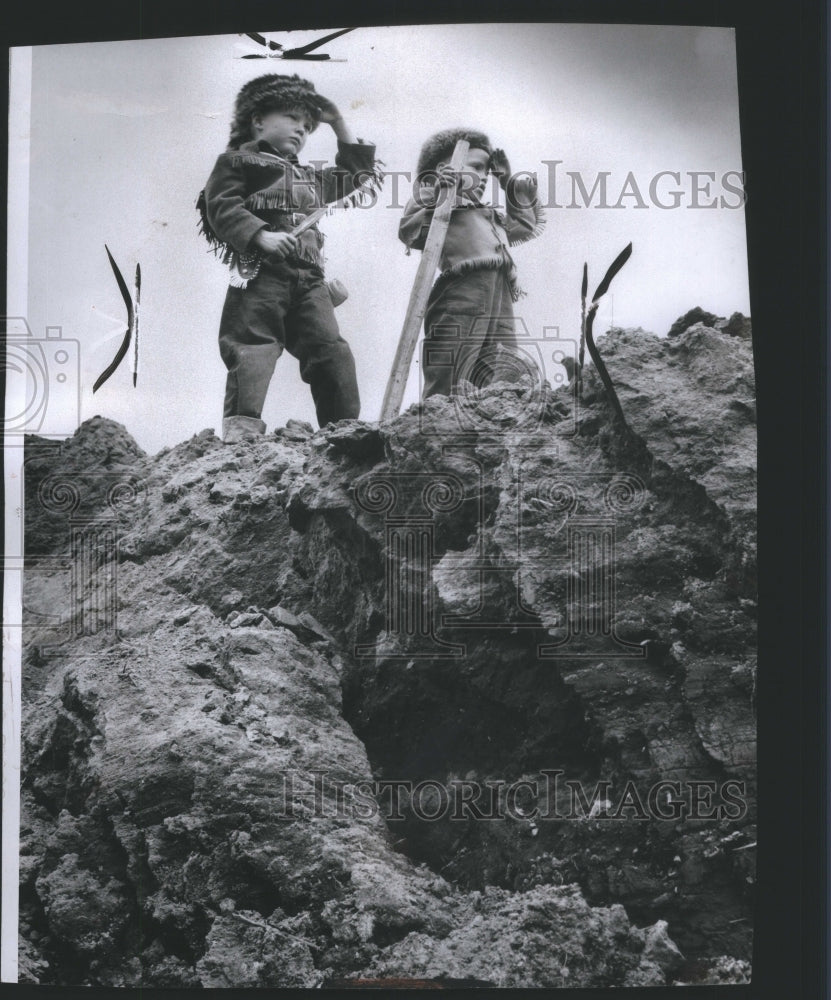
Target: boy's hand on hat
(328,109)
(500,167)
(279,245)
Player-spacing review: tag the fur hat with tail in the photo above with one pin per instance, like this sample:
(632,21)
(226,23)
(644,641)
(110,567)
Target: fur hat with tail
(272,92)
(441,145)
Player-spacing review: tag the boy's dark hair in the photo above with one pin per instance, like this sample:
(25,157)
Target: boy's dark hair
(441,145)
(272,92)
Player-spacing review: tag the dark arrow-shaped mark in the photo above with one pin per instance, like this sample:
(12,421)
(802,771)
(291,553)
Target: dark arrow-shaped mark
(583,291)
(615,266)
(262,40)
(301,52)
(131,320)
(601,290)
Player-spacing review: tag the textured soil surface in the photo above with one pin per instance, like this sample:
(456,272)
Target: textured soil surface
(229,649)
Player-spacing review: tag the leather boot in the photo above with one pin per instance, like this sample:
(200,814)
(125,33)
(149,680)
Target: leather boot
(240,428)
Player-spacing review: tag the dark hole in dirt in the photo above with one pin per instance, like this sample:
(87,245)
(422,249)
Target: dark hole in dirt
(260,895)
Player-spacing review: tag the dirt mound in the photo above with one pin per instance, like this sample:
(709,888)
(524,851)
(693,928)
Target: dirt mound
(394,701)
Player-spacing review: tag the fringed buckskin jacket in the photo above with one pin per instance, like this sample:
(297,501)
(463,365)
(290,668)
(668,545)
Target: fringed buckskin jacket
(478,236)
(255,187)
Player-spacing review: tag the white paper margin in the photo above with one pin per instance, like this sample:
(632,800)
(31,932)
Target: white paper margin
(17,292)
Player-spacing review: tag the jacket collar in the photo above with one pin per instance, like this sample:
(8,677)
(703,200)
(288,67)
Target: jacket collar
(261,146)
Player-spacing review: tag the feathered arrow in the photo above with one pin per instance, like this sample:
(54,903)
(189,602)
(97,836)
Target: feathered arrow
(136,324)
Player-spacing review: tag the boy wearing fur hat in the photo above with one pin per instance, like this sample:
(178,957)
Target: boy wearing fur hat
(278,299)
(471,304)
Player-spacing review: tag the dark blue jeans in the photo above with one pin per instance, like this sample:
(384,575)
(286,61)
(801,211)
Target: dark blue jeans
(285,307)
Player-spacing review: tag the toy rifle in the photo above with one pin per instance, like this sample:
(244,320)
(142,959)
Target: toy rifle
(421,292)
(344,202)
(253,263)
(312,219)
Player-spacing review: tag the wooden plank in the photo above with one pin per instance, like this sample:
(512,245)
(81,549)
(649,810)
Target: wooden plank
(417,306)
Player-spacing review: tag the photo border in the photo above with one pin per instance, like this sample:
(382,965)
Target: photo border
(783,114)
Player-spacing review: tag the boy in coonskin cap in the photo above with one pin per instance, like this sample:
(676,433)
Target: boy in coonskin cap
(471,304)
(257,193)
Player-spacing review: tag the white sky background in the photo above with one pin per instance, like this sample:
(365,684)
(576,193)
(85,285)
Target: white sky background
(124,135)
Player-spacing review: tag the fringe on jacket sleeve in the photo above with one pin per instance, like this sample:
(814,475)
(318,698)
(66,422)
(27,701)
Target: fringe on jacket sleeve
(357,174)
(525,223)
